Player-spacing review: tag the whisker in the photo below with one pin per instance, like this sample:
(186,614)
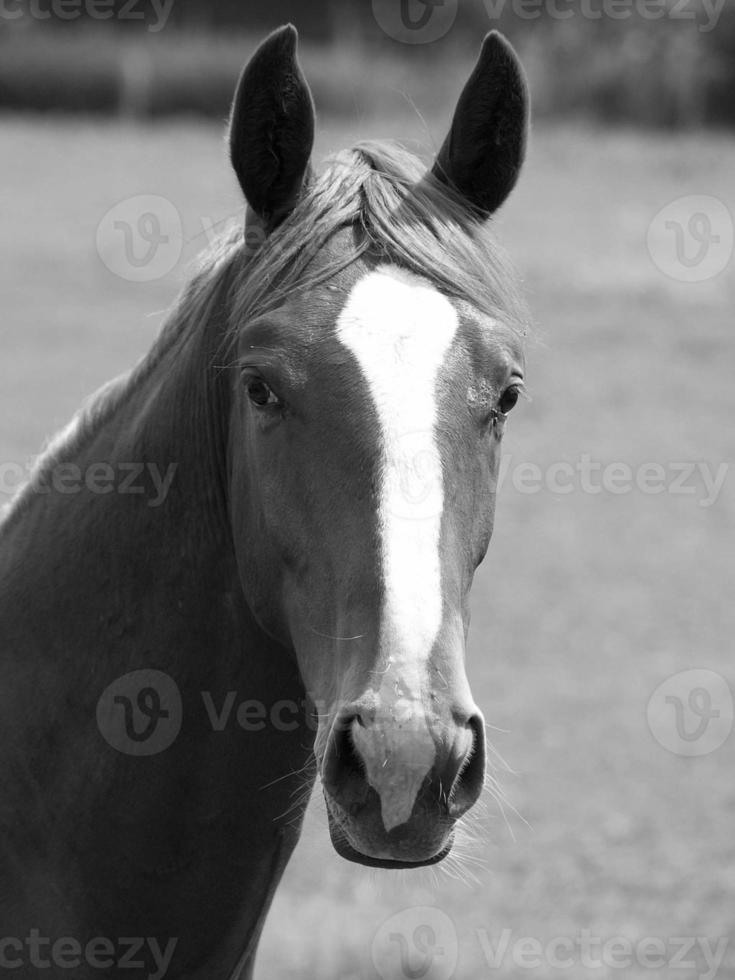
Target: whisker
(329,636)
(294,772)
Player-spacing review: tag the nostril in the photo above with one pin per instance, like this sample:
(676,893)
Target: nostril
(470,777)
(343,772)
(351,761)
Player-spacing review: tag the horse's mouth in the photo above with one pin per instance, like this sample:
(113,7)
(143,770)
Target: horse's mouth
(344,847)
(349,853)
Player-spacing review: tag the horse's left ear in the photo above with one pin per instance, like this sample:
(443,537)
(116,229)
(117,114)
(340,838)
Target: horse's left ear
(483,153)
(272,128)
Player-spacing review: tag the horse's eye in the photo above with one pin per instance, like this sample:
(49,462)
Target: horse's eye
(508,400)
(260,394)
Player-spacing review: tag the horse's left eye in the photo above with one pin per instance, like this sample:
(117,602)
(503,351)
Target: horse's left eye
(508,399)
(260,393)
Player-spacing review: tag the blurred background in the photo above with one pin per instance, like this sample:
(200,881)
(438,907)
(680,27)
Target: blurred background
(601,649)
(667,63)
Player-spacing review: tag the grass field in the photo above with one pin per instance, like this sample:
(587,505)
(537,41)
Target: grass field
(587,601)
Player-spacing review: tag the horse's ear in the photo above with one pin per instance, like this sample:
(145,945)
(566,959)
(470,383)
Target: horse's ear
(483,153)
(272,128)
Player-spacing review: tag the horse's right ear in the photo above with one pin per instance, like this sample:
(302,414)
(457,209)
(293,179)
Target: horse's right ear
(272,128)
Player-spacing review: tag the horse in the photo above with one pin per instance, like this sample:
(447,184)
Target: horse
(326,403)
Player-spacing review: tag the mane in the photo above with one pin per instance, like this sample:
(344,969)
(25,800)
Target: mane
(401,216)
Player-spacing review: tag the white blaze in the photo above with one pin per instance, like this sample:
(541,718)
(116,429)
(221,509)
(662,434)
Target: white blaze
(400,328)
